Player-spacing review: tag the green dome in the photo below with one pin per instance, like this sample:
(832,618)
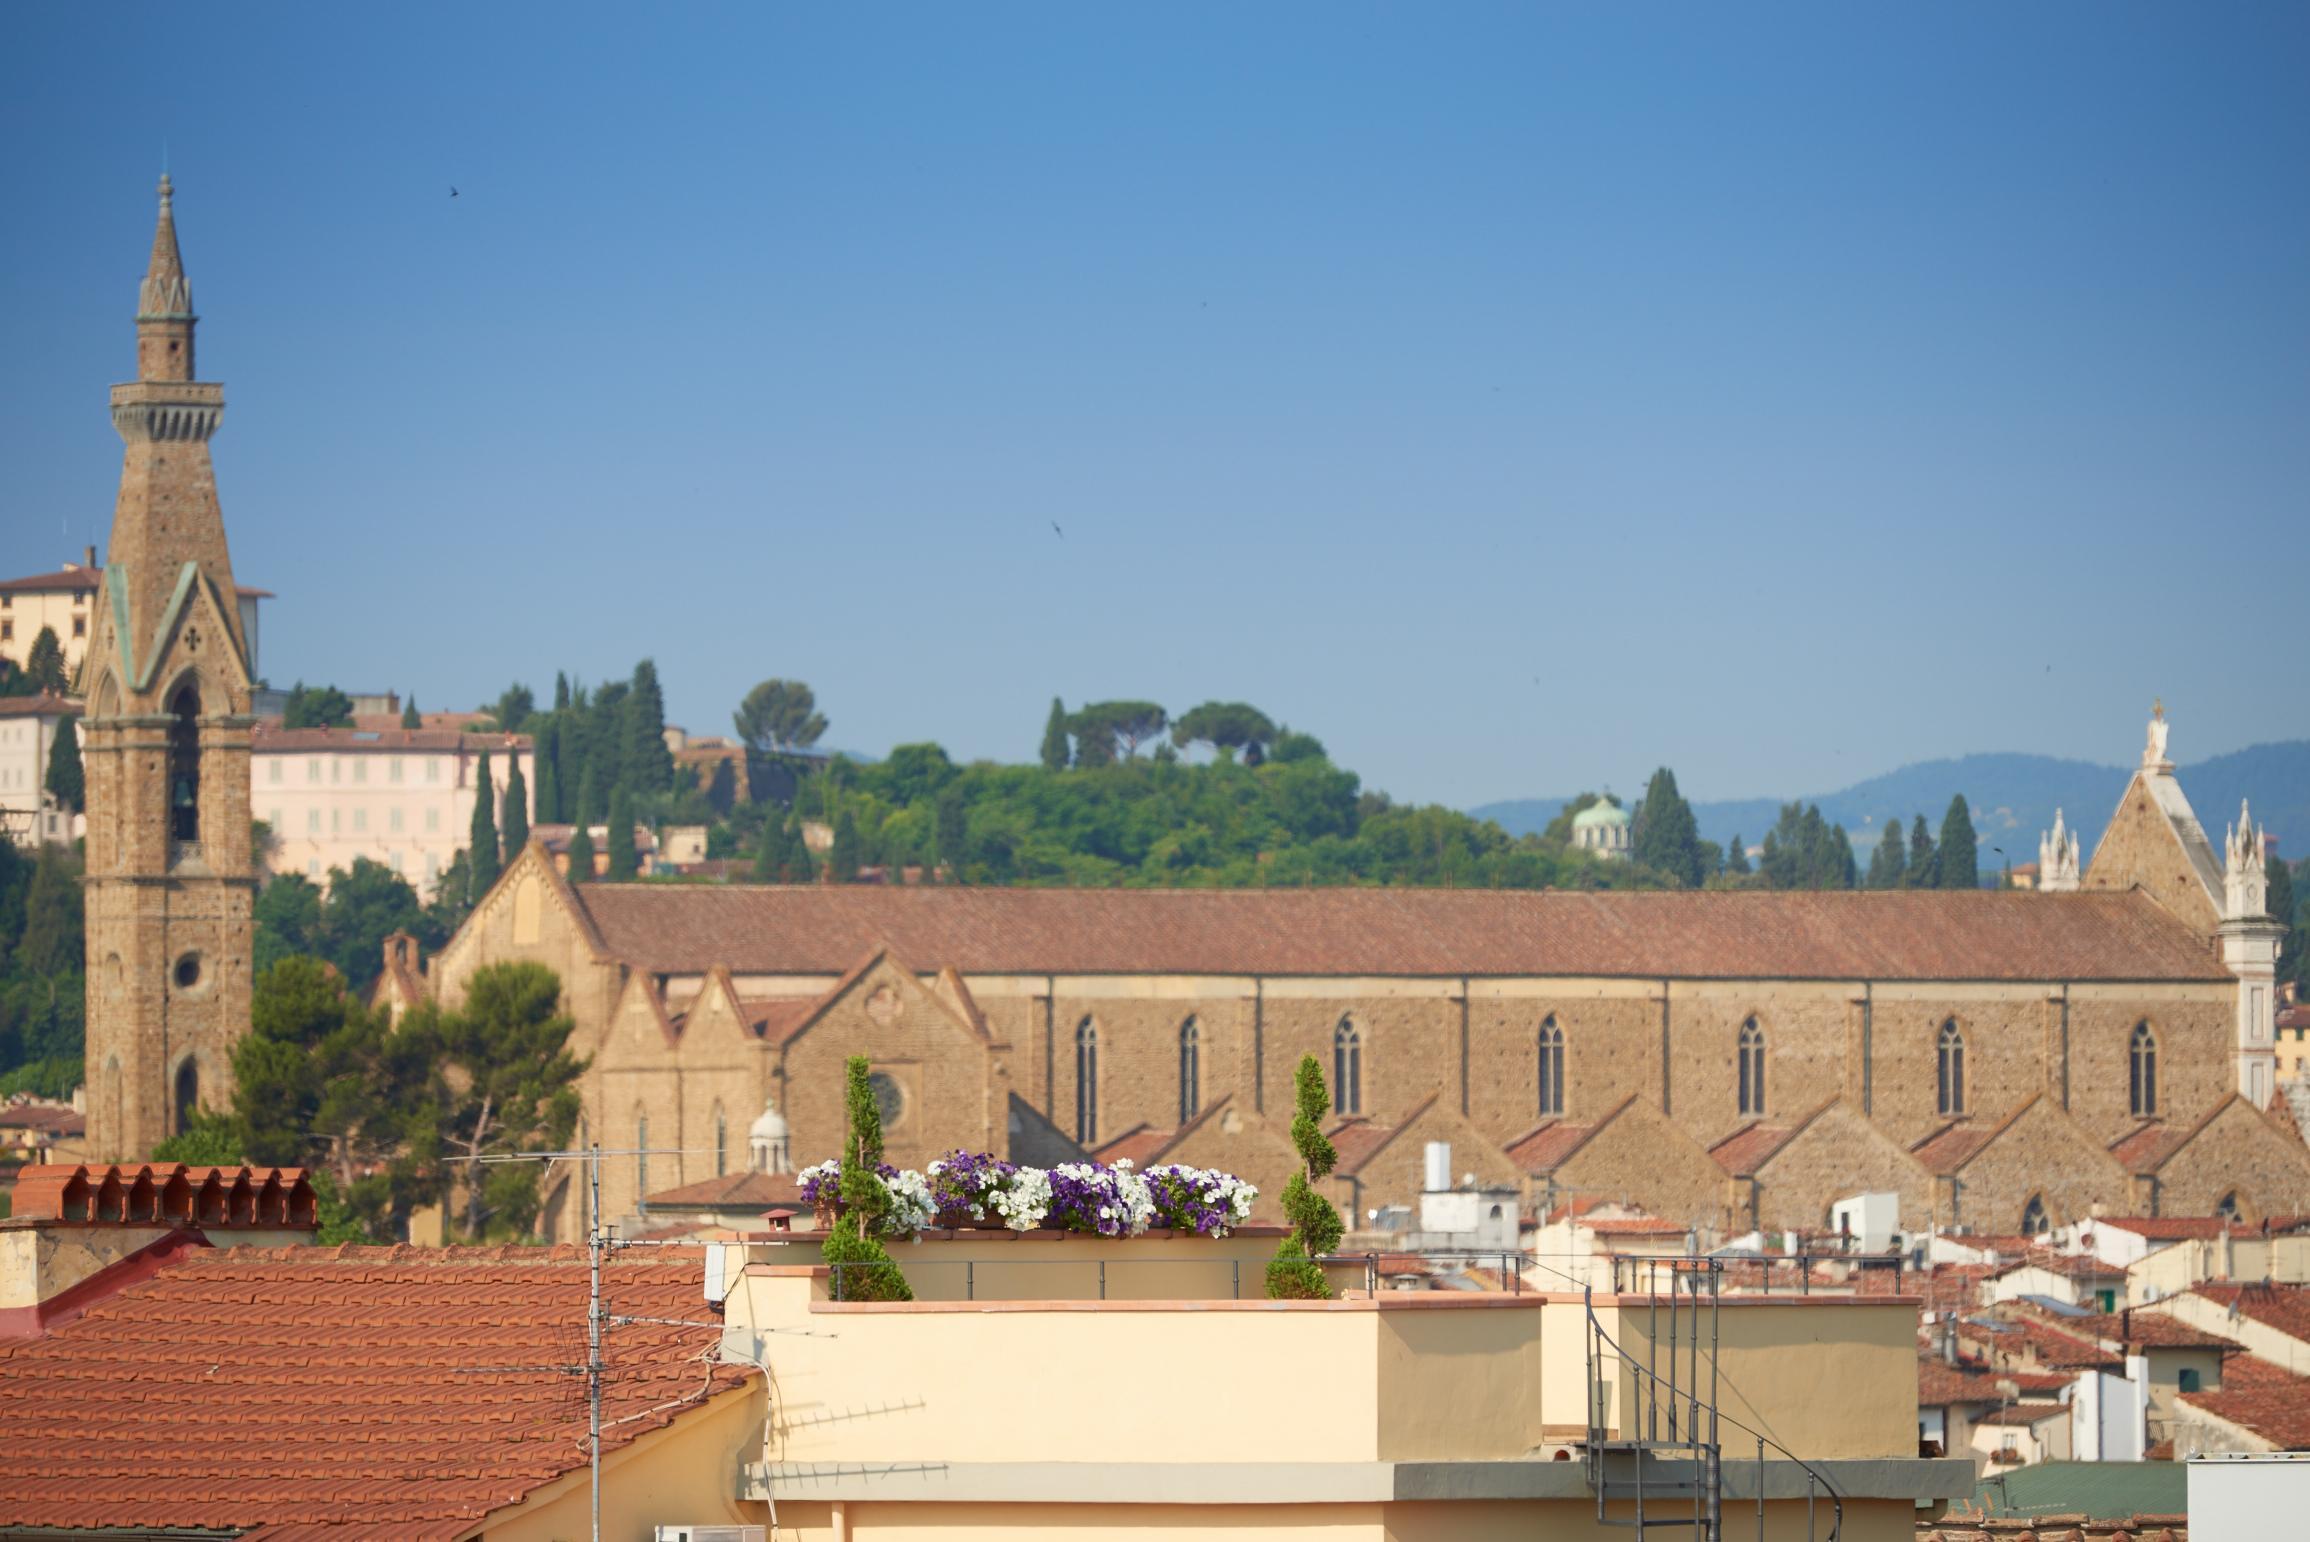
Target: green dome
(1599,813)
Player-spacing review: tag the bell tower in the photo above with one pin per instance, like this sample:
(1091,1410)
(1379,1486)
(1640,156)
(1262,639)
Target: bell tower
(166,747)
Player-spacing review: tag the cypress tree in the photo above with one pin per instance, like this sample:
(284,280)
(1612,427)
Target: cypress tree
(410,716)
(1924,862)
(1736,857)
(649,765)
(842,862)
(1960,860)
(483,863)
(1055,754)
(581,855)
(862,1266)
(618,840)
(66,782)
(546,749)
(560,691)
(516,821)
(44,664)
(1293,1274)
(782,856)
(589,801)
(1889,864)
(1666,838)
(952,831)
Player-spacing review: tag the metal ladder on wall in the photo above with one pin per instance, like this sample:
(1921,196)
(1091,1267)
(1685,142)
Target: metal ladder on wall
(1658,1454)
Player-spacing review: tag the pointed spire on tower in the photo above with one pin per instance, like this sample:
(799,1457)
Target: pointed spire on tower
(2057,858)
(167,293)
(2245,875)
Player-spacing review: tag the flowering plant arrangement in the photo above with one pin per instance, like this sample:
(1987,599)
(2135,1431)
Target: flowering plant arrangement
(1093,1197)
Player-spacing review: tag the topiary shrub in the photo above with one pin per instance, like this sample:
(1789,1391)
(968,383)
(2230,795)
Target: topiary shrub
(863,1270)
(1293,1274)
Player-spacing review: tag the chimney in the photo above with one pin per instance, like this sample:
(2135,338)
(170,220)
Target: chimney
(91,558)
(1439,1166)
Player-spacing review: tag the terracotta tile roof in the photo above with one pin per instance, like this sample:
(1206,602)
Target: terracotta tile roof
(751,1191)
(1968,1381)
(2142,1149)
(270,738)
(2268,1399)
(1879,935)
(1358,1140)
(46,704)
(2283,1307)
(1138,1145)
(2070,1266)
(76,576)
(352,1386)
(779,1020)
(2024,1414)
(2145,1330)
(1549,1146)
(1634,1226)
(2174,1228)
(165,1194)
(35,1118)
(1751,1146)
(1952,1146)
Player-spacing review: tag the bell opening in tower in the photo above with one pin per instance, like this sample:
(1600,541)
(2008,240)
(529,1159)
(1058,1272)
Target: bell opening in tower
(184,766)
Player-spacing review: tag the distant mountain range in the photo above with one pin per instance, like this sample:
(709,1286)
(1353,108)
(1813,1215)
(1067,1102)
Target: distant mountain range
(2012,797)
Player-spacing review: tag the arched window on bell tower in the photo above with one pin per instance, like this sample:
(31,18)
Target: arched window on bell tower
(188,1093)
(184,764)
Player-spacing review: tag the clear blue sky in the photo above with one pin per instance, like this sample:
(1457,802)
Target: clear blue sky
(1517,397)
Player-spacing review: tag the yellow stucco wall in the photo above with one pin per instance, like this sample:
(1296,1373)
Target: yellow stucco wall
(686,1473)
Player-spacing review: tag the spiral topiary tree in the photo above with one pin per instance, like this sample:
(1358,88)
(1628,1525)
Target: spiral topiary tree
(1293,1274)
(863,1270)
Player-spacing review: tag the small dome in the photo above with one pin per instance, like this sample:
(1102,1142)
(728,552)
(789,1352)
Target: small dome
(1599,813)
(770,1126)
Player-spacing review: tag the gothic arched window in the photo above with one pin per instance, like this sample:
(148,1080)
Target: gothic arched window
(1752,1070)
(188,1093)
(1551,1068)
(1086,1083)
(721,1142)
(1950,1081)
(184,764)
(641,1157)
(2227,1208)
(2142,1073)
(2034,1221)
(1190,1070)
(1347,1069)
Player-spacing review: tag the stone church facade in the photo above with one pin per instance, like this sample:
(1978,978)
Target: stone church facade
(2002,1059)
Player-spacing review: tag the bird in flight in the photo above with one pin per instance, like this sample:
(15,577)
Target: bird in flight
(1061,534)
(453,192)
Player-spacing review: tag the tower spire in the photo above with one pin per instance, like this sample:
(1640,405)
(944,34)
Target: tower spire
(167,293)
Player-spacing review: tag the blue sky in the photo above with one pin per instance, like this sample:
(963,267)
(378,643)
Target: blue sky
(1517,397)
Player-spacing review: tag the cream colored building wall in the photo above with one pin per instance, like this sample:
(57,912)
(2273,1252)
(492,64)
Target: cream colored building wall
(412,810)
(23,613)
(684,1474)
(25,742)
(2280,1349)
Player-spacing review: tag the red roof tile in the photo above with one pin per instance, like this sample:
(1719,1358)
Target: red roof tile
(2283,1307)
(46,704)
(2174,1228)
(1880,935)
(270,738)
(749,1191)
(2269,1400)
(77,576)
(1138,1145)
(1548,1147)
(407,1390)
(1751,1147)
(166,1194)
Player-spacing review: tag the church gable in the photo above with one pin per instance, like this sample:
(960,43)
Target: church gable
(1237,1140)
(2154,843)
(195,632)
(2236,1153)
(531,914)
(1833,1154)
(1638,1156)
(641,1033)
(1988,1180)
(1391,1168)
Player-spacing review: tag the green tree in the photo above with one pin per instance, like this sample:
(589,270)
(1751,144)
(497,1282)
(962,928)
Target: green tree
(1889,865)
(410,716)
(1924,861)
(589,801)
(320,706)
(44,664)
(1055,751)
(618,840)
(367,902)
(1294,1273)
(51,944)
(1736,859)
(512,708)
(581,855)
(952,831)
(846,856)
(516,821)
(66,782)
(481,845)
(1226,725)
(863,1269)
(1665,837)
(2291,908)
(1959,863)
(779,715)
(649,764)
(560,691)
(781,857)
(1108,731)
(1559,830)
(288,917)
(545,749)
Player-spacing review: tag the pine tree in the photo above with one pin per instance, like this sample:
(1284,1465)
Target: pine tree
(44,665)
(1055,755)
(484,862)
(1959,865)
(516,820)
(649,765)
(546,751)
(560,691)
(1924,862)
(1736,857)
(842,862)
(1666,838)
(66,783)
(1889,864)
(589,801)
(581,855)
(410,716)
(618,841)
(1293,1274)
(861,1265)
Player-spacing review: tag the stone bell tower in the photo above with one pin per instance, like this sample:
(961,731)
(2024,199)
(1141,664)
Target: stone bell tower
(166,746)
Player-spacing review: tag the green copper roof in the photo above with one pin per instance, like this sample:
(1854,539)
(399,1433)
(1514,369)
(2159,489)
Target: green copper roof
(1599,813)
